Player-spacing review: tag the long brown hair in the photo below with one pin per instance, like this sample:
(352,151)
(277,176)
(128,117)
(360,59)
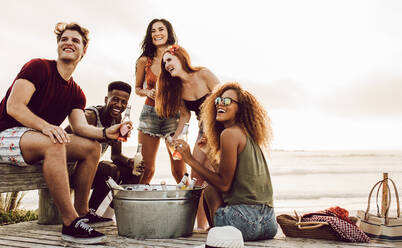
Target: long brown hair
(168,88)
(148,49)
(251,117)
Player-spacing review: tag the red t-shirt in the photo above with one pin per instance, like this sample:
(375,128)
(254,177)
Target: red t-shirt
(54,98)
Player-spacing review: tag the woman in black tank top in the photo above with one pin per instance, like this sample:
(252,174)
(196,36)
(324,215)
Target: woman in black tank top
(183,88)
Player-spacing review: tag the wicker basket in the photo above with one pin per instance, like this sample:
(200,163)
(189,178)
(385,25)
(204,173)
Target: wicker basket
(293,227)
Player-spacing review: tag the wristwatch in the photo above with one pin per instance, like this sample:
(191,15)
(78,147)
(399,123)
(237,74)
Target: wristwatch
(105,138)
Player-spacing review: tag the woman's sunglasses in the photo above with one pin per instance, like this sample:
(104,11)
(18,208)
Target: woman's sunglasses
(224,100)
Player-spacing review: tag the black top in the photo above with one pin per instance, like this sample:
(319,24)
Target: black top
(195,105)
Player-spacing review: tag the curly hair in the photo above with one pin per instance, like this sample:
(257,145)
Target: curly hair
(251,117)
(62,26)
(148,48)
(168,88)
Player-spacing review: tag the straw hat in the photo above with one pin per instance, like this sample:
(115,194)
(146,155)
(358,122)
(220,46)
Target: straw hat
(225,237)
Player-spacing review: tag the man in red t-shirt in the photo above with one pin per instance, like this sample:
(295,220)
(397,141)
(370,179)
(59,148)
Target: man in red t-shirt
(40,98)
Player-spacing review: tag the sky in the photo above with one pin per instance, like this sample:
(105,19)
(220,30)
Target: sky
(329,73)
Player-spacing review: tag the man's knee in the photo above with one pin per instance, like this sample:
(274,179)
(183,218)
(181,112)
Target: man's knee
(106,169)
(94,149)
(83,148)
(55,150)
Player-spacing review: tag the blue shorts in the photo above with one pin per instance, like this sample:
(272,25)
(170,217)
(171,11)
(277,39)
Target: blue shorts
(254,221)
(152,124)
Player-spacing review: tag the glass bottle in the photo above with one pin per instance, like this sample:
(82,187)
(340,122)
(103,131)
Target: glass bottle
(124,128)
(183,182)
(170,145)
(183,135)
(192,183)
(163,186)
(137,160)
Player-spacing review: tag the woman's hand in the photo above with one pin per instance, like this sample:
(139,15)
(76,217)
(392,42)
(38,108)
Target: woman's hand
(202,144)
(151,94)
(183,148)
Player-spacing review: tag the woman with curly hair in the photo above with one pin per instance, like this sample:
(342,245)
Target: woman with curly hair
(240,192)
(183,88)
(158,37)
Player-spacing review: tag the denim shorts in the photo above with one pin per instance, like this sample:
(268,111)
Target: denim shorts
(254,221)
(10,151)
(152,124)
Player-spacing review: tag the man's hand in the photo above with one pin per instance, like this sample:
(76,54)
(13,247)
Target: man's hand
(56,134)
(113,132)
(139,169)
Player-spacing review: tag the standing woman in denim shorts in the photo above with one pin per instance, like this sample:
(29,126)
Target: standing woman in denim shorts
(239,193)
(159,35)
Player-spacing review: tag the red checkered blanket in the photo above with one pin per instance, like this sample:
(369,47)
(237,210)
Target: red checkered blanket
(338,220)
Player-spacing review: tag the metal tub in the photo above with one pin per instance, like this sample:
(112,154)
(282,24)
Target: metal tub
(157,213)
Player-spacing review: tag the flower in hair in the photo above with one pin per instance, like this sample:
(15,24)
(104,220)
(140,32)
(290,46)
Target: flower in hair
(173,48)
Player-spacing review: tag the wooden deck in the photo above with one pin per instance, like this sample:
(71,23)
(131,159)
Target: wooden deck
(30,234)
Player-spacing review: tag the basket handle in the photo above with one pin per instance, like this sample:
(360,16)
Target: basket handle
(397,197)
(369,197)
(389,202)
(308,224)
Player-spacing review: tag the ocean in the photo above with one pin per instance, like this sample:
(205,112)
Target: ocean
(306,180)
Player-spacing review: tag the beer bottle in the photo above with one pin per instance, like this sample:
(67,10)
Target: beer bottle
(170,145)
(183,136)
(137,160)
(192,183)
(182,184)
(124,128)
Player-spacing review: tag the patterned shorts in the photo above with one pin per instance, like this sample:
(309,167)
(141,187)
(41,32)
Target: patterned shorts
(10,151)
(152,124)
(254,221)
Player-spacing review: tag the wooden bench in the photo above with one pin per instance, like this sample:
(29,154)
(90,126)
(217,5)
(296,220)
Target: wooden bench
(18,178)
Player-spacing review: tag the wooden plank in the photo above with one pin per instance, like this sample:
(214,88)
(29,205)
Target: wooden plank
(18,178)
(6,243)
(33,234)
(32,241)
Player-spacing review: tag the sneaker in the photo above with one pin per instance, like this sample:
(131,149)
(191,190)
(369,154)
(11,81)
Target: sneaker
(95,220)
(80,232)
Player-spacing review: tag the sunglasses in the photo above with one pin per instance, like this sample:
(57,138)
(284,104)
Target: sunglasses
(224,100)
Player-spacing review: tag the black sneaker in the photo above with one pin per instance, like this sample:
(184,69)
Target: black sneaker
(95,220)
(80,232)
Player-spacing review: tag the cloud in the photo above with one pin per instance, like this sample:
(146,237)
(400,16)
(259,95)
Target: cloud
(374,98)
(280,94)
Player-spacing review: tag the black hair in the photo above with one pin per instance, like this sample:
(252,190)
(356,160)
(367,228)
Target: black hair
(119,85)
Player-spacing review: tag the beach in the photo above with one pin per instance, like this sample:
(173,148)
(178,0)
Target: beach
(305,180)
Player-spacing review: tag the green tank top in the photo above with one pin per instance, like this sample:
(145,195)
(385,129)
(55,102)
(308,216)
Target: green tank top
(252,182)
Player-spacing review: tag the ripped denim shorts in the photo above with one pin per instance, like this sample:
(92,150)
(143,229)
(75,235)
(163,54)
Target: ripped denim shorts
(152,124)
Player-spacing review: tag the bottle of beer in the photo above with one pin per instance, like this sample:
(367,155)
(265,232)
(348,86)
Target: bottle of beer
(137,160)
(183,136)
(182,184)
(192,183)
(163,186)
(170,145)
(124,128)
